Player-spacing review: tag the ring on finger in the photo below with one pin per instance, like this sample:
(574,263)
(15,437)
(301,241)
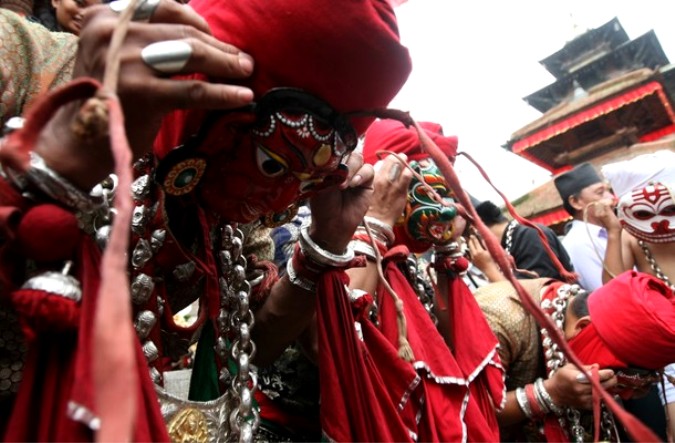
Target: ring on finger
(144,8)
(168,56)
(394,172)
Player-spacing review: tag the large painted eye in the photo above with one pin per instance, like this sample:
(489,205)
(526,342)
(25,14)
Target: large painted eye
(269,163)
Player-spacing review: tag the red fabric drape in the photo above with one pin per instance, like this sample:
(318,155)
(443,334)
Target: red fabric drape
(462,388)
(360,391)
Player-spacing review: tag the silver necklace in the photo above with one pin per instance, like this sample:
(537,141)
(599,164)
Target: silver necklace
(509,235)
(655,267)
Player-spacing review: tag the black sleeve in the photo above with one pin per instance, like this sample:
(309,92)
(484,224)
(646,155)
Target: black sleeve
(529,252)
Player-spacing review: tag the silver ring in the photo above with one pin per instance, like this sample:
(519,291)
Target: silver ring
(143,12)
(394,172)
(169,56)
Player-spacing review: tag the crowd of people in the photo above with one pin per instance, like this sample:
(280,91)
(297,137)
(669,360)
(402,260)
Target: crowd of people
(236,163)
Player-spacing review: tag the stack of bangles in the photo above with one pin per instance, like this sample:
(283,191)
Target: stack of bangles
(310,260)
(383,235)
(536,402)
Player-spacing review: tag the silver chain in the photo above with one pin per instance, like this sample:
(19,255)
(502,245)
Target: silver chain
(556,359)
(235,320)
(655,267)
(509,235)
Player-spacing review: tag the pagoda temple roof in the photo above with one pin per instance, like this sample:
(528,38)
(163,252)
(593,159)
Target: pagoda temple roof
(602,63)
(585,47)
(619,112)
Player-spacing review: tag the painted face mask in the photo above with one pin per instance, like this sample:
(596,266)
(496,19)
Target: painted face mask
(648,213)
(283,149)
(425,221)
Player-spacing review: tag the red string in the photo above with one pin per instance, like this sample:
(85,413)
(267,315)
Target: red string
(570,277)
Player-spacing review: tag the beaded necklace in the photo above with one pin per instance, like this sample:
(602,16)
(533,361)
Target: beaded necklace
(655,267)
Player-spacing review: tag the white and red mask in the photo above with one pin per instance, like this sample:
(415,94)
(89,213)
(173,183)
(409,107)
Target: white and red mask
(648,213)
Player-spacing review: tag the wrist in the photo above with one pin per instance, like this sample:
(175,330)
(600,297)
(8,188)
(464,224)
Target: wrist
(330,240)
(83,163)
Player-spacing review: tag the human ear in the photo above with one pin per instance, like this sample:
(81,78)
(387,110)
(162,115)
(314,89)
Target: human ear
(581,323)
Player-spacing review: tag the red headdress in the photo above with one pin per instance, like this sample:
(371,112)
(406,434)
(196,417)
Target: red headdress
(392,135)
(355,61)
(634,315)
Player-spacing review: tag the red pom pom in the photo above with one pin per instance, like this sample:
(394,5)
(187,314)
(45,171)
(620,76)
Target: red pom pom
(461,264)
(48,233)
(42,311)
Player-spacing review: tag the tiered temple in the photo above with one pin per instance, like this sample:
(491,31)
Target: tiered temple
(612,99)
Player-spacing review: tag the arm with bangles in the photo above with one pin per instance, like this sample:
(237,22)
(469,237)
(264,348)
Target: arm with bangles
(567,387)
(389,198)
(289,311)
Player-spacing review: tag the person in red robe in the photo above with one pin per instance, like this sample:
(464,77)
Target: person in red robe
(218,148)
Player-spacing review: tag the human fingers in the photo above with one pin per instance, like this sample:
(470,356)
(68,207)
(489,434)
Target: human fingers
(186,94)
(166,11)
(354,163)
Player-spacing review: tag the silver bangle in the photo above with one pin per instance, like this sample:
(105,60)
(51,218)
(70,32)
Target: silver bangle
(296,280)
(382,228)
(319,255)
(54,186)
(542,393)
(523,402)
(361,230)
(362,248)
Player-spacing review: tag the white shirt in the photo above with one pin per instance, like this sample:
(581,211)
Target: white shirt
(587,252)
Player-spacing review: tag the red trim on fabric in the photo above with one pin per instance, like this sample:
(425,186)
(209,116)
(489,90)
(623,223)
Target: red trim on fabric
(552,218)
(592,113)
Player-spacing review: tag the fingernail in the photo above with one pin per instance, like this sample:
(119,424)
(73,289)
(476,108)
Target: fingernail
(245,95)
(246,63)
(356,180)
(581,378)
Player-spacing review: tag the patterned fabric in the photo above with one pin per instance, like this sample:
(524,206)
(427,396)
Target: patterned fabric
(518,336)
(515,328)
(34,61)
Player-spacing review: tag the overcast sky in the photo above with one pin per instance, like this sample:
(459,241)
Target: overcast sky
(473,61)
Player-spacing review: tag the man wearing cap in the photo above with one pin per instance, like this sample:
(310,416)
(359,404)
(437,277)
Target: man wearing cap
(586,240)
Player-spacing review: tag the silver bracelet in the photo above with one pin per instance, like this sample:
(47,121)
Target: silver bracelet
(523,402)
(382,228)
(319,255)
(53,185)
(542,393)
(540,400)
(361,230)
(296,280)
(362,248)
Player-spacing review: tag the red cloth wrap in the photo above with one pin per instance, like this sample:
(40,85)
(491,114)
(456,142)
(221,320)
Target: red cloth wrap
(446,383)
(642,331)
(393,136)
(355,63)
(58,371)
(362,384)
(592,349)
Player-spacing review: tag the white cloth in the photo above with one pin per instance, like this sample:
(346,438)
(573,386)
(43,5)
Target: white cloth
(627,175)
(668,396)
(587,253)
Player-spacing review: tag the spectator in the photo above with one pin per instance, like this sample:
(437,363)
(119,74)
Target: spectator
(523,244)
(69,14)
(586,241)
